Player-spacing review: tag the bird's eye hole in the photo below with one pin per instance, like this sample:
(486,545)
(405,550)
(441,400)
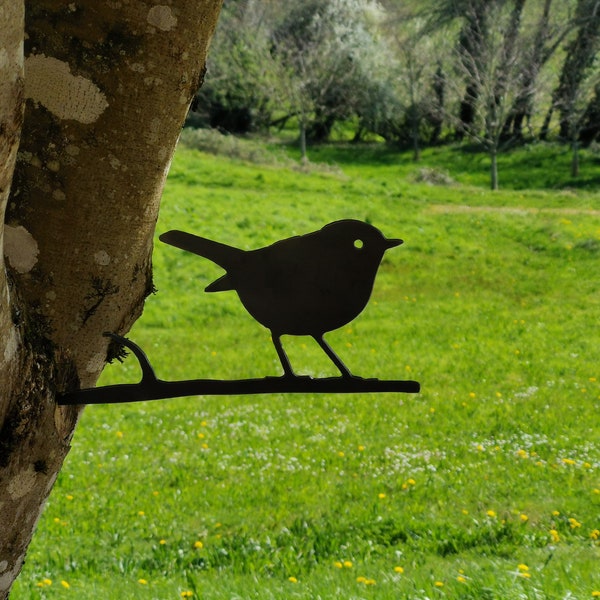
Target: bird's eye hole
(358,244)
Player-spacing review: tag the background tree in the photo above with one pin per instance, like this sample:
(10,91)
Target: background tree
(590,127)
(580,55)
(548,33)
(330,59)
(94,97)
(420,83)
(577,111)
(492,63)
(474,32)
(241,92)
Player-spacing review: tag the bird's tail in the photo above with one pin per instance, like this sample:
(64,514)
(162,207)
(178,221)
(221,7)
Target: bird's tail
(222,254)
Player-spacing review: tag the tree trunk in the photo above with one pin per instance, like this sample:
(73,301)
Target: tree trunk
(590,128)
(414,116)
(575,157)
(494,168)
(106,93)
(303,155)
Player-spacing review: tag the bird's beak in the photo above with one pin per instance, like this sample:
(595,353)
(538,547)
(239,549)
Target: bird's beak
(392,243)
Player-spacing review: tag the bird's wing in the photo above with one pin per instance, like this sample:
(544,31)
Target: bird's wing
(222,284)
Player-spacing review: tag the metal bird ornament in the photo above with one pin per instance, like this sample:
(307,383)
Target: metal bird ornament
(303,285)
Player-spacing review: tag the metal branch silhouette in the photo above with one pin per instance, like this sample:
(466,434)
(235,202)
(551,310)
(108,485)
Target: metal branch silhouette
(303,285)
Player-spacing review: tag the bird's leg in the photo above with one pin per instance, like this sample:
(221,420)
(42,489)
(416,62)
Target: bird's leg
(285,362)
(337,361)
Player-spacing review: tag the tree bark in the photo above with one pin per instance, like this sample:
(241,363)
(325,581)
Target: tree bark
(107,88)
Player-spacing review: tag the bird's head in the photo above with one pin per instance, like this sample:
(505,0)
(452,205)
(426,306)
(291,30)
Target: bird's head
(360,237)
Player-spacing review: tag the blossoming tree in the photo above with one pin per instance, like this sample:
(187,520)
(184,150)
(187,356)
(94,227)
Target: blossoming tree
(92,98)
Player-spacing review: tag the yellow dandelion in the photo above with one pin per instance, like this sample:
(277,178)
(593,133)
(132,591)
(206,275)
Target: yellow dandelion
(596,491)
(361,448)
(596,594)
(65,584)
(348,564)
(574,523)
(187,594)
(522,453)
(525,574)
(162,542)
(142,581)
(524,518)
(595,534)
(370,582)
(555,536)
(461,579)
(472,394)
(411,481)
(198,545)
(568,461)
(69,497)
(381,496)
(523,567)
(119,434)
(292,580)
(338,564)
(341,454)
(439,584)
(491,513)
(555,513)
(361,579)
(47,581)
(155,493)
(398,570)
(141,513)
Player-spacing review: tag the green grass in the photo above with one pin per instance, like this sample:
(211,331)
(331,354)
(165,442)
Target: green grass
(492,303)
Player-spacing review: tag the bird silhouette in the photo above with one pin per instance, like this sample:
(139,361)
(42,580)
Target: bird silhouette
(303,285)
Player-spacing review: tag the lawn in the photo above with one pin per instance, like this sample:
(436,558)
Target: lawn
(486,485)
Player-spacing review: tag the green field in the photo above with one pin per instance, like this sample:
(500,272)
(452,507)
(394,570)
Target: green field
(486,485)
